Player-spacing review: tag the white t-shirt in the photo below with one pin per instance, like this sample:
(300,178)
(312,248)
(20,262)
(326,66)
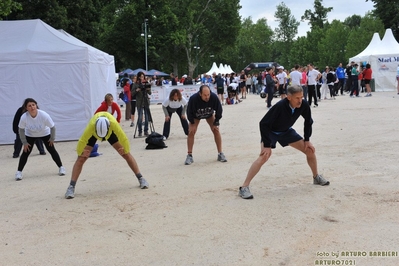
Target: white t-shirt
(234,85)
(296,77)
(38,126)
(312,76)
(281,76)
(174,104)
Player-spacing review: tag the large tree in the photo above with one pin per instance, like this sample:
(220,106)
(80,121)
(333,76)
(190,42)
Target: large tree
(285,32)
(388,12)
(318,17)
(252,44)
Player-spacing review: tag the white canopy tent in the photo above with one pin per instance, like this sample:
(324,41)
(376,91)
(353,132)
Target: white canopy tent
(383,57)
(214,68)
(67,77)
(222,69)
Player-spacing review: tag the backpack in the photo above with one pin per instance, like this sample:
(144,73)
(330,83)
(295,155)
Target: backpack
(155,141)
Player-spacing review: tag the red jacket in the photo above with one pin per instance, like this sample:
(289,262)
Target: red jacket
(115,108)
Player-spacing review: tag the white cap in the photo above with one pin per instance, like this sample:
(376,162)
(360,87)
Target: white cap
(184,76)
(280,67)
(102,126)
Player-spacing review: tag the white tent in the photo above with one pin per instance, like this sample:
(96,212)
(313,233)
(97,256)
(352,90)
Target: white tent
(214,68)
(67,77)
(373,45)
(384,59)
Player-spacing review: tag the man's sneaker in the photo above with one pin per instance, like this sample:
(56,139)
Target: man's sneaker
(18,175)
(132,124)
(245,193)
(61,171)
(143,183)
(319,180)
(140,134)
(221,157)
(70,193)
(189,160)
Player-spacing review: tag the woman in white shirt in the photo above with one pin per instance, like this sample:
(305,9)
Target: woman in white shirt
(174,103)
(36,124)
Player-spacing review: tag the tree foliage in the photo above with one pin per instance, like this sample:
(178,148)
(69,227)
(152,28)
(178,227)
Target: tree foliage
(284,33)
(177,26)
(388,12)
(318,18)
(8,6)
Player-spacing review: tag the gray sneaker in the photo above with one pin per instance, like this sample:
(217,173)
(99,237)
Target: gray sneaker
(143,183)
(319,180)
(245,193)
(221,157)
(189,160)
(70,193)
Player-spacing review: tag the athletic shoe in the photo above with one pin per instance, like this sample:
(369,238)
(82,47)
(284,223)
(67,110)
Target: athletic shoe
(245,193)
(143,183)
(70,193)
(61,171)
(368,95)
(18,176)
(132,124)
(42,153)
(15,156)
(189,159)
(319,180)
(221,157)
(140,134)
(145,133)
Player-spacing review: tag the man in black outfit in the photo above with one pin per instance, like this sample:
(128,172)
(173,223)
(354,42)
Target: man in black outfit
(276,126)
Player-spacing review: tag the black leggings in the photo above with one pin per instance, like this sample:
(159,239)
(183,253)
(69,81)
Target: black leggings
(25,154)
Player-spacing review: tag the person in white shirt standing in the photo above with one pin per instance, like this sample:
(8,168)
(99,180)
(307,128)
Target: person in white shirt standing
(313,77)
(36,124)
(296,76)
(282,81)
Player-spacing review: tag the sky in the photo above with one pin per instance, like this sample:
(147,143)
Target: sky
(342,9)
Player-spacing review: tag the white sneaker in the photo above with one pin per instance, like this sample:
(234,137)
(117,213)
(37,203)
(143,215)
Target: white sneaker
(18,176)
(61,171)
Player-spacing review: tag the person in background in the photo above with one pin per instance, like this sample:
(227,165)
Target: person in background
(174,103)
(126,90)
(143,102)
(173,79)
(219,82)
(133,102)
(108,105)
(282,81)
(397,79)
(340,72)
(17,142)
(367,74)
(36,124)
(102,126)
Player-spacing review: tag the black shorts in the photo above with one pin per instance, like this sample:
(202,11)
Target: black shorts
(242,85)
(133,107)
(367,81)
(284,138)
(220,90)
(281,89)
(111,140)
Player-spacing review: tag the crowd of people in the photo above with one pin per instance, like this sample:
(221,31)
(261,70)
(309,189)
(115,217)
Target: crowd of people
(297,89)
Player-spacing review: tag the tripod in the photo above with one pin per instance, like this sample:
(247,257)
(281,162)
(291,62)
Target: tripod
(147,114)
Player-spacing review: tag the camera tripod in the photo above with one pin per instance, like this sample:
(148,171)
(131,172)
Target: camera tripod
(147,113)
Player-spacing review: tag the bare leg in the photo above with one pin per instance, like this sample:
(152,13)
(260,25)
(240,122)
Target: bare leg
(128,157)
(216,133)
(310,155)
(256,166)
(78,166)
(192,129)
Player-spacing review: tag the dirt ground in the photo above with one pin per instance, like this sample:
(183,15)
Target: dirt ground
(192,215)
